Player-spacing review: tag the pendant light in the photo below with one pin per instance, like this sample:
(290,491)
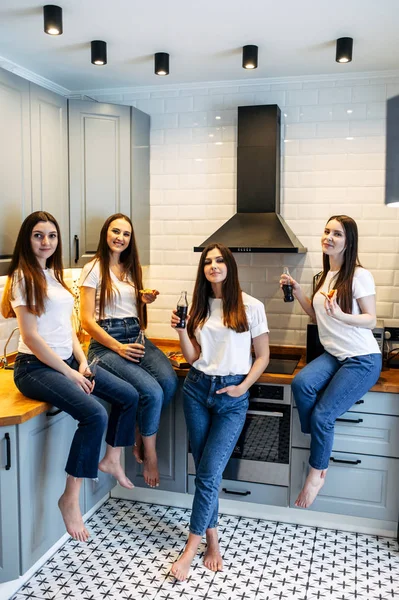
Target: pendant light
(161,63)
(98,52)
(344,50)
(52,16)
(250,57)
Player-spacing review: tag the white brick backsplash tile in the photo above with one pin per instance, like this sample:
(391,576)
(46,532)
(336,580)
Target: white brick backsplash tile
(377,110)
(207,134)
(377,211)
(384,278)
(338,129)
(129,98)
(392,89)
(161,213)
(310,114)
(180,165)
(164,151)
(301,97)
(164,242)
(220,212)
(165,94)
(152,106)
(254,88)
(206,165)
(379,244)
(187,242)
(349,112)
(156,167)
(156,197)
(206,228)
(178,136)
(374,195)
(365,161)
(163,122)
(235,100)
(164,182)
(177,227)
(298,195)
(388,261)
(367,128)
(286,86)
(157,136)
(180,105)
(228,90)
(290,147)
(384,309)
(210,102)
(290,114)
(202,181)
(335,95)
(157,227)
(192,212)
(196,119)
(229,133)
(194,92)
(300,130)
(388,228)
(369,93)
(272,97)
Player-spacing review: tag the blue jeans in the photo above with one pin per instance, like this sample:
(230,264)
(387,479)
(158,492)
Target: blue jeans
(324,390)
(214,423)
(154,379)
(38,381)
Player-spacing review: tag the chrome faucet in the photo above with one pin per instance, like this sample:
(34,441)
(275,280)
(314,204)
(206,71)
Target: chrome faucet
(3,360)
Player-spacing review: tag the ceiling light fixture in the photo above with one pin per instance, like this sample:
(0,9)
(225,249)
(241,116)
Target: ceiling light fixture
(250,57)
(98,52)
(52,16)
(161,63)
(344,50)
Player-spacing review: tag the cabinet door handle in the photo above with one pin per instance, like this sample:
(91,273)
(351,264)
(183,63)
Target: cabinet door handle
(350,420)
(360,402)
(236,493)
(8,451)
(52,413)
(345,462)
(76,238)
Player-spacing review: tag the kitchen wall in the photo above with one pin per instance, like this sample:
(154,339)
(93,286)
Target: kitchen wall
(333,161)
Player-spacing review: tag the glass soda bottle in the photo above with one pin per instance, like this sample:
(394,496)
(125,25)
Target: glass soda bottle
(182,308)
(140,339)
(287,288)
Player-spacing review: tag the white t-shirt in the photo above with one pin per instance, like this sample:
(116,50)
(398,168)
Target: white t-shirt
(124,304)
(54,325)
(339,339)
(224,351)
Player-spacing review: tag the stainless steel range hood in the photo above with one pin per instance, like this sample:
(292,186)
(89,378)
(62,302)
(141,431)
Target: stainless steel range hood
(257,226)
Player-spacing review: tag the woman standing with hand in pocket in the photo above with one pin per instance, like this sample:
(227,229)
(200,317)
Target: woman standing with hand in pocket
(51,367)
(223,322)
(113,312)
(343,306)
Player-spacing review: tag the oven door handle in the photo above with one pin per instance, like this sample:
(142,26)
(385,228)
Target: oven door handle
(265,413)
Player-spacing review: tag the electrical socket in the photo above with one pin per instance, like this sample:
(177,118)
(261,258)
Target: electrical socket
(394,331)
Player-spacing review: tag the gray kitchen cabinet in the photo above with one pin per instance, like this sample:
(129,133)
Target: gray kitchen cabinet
(43,448)
(356,485)
(171,448)
(140,181)
(9,522)
(245,491)
(49,157)
(99,171)
(15,161)
(362,433)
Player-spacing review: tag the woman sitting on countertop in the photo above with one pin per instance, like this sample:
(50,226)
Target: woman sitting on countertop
(343,305)
(113,311)
(51,367)
(223,322)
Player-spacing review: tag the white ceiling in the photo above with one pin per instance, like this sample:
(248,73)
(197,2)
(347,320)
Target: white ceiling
(204,39)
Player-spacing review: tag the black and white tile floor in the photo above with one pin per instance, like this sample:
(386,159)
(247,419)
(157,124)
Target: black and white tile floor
(133,546)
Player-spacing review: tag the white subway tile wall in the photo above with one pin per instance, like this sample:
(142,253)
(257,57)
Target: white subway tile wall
(333,161)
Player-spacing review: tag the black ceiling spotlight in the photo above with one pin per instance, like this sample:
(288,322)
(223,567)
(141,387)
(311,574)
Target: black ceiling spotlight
(161,62)
(344,50)
(250,57)
(98,52)
(52,16)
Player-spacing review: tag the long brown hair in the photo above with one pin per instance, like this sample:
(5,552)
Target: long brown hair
(130,262)
(234,316)
(344,280)
(24,265)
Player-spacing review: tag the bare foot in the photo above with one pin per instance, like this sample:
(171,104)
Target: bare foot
(151,473)
(72,516)
(212,558)
(182,566)
(313,484)
(115,469)
(138,453)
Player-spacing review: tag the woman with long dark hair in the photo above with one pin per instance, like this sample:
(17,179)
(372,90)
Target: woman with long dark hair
(50,365)
(343,305)
(113,312)
(222,324)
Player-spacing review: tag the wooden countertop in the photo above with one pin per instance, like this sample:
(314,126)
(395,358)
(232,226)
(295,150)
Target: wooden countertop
(16,408)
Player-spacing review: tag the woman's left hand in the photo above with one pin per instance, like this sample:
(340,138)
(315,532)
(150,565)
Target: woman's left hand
(332,308)
(84,370)
(149,297)
(235,391)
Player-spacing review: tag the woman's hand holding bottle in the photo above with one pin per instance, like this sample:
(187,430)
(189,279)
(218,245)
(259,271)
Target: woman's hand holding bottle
(80,380)
(175,321)
(286,279)
(133,352)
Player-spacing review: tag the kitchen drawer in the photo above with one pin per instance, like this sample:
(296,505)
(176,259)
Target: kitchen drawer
(380,403)
(368,489)
(374,434)
(244,491)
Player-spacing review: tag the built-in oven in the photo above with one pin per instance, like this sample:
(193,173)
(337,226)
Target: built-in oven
(262,452)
